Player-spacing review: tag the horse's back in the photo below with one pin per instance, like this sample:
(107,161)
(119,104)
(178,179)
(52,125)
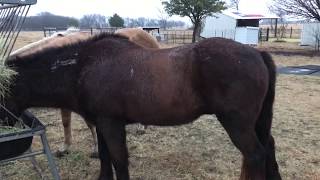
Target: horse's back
(146,85)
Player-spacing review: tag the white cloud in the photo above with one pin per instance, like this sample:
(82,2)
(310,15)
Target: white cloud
(254,6)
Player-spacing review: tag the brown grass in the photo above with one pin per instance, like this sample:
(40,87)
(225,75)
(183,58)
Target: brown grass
(201,150)
(25,38)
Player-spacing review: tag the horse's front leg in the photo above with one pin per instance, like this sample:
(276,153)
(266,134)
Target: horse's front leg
(114,134)
(106,172)
(66,122)
(92,128)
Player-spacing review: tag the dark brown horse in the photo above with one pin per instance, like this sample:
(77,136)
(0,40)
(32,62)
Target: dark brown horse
(59,39)
(112,82)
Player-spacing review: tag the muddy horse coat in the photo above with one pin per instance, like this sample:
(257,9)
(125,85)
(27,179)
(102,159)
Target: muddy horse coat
(111,82)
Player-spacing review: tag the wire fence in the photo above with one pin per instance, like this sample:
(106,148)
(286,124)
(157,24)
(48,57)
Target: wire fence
(282,32)
(48,31)
(174,36)
(163,36)
(177,37)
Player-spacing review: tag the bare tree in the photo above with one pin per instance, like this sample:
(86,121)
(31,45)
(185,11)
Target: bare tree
(93,20)
(235,4)
(46,19)
(151,23)
(141,21)
(163,18)
(283,25)
(309,9)
(316,37)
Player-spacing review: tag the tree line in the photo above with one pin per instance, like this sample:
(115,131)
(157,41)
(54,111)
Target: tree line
(47,19)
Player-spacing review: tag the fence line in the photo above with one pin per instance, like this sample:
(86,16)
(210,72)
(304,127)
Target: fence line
(47,31)
(284,32)
(174,36)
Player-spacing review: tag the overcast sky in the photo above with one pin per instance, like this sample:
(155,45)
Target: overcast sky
(125,8)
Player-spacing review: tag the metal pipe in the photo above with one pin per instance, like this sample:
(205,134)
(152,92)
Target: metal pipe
(18,2)
(51,162)
(21,135)
(12,30)
(22,156)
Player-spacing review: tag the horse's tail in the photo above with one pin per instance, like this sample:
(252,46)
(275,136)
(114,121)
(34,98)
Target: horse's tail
(264,122)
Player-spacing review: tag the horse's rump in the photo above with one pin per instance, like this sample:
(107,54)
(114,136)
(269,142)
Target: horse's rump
(230,67)
(139,37)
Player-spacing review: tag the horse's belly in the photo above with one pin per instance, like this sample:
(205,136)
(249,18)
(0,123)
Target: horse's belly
(162,111)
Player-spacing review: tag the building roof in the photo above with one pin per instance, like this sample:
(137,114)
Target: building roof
(240,15)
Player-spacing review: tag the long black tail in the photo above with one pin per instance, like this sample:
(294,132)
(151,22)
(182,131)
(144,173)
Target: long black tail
(264,122)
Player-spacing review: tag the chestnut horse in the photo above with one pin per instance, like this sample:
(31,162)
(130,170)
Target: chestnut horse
(58,39)
(112,82)
(139,37)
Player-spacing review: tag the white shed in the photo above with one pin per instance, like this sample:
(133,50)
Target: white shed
(309,34)
(238,26)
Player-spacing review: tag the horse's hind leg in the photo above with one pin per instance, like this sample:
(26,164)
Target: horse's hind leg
(272,169)
(114,134)
(241,130)
(92,128)
(66,122)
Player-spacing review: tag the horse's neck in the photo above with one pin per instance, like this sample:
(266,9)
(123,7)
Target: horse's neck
(53,87)
(46,91)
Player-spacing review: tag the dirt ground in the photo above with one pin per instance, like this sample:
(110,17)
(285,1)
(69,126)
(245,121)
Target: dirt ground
(201,150)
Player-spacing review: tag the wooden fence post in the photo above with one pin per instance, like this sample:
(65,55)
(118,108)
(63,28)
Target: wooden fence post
(44,32)
(276,29)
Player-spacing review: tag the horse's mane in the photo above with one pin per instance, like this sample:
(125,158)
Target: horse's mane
(104,35)
(56,40)
(16,60)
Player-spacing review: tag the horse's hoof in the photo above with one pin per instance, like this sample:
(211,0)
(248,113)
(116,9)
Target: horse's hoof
(140,132)
(94,155)
(60,154)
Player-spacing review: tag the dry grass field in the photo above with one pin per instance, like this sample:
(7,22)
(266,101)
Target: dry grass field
(201,150)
